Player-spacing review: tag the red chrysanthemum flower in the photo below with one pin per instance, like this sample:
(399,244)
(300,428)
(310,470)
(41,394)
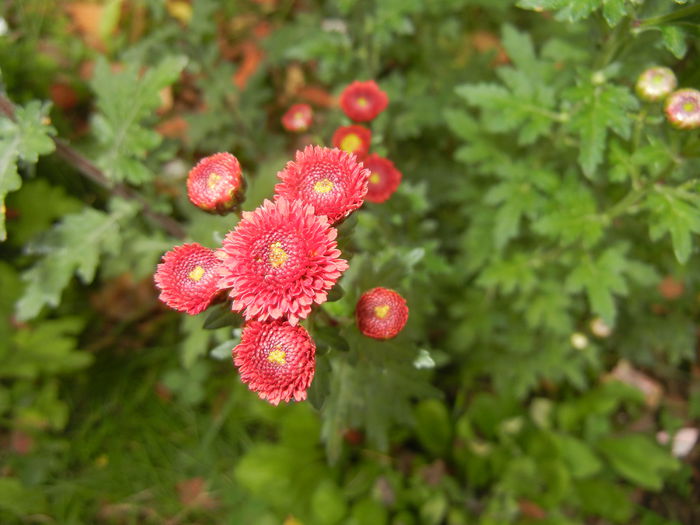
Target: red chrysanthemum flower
(279,260)
(187,278)
(353,139)
(683,108)
(330,180)
(383,180)
(297,118)
(215,184)
(381,313)
(276,360)
(363,101)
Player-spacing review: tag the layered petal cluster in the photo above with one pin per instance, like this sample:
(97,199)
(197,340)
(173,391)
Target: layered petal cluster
(297,118)
(381,313)
(279,260)
(187,278)
(683,108)
(330,180)
(215,184)
(276,360)
(655,83)
(354,139)
(363,101)
(383,180)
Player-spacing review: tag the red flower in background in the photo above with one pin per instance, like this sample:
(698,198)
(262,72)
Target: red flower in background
(363,101)
(381,313)
(276,360)
(383,180)
(279,260)
(215,184)
(187,278)
(297,118)
(683,108)
(330,180)
(353,139)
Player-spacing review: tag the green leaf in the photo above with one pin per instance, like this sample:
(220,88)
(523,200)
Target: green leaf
(580,458)
(25,139)
(328,503)
(675,212)
(638,459)
(571,215)
(675,40)
(614,11)
(55,203)
(75,245)
(433,426)
(600,498)
(573,10)
(603,277)
(48,348)
(125,99)
(601,107)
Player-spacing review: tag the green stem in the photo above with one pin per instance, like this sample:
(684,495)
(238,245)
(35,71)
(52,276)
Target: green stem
(627,202)
(669,17)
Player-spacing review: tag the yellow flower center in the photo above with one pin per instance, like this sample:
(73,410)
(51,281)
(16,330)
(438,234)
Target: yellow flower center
(689,107)
(381,311)
(277,255)
(323,186)
(362,102)
(277,356)
(196,274)
(213,180)
(351,143)
(374,178)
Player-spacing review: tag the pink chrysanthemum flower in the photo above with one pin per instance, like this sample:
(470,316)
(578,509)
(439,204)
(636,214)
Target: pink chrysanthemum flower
(331,180)
(215,184)
(383,180)
(354,139)
(187,278)
(297,118)
(655,83)
(381,313)
(276,360)
(363,101)
(683,108)
(279,260)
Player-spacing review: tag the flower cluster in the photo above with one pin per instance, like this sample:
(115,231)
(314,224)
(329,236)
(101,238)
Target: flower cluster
(682,107)
(283,258)
(362,102)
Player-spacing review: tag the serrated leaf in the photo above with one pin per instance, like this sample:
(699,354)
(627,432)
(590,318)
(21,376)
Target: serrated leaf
(602,278)
(25,139)
(125,99)
(676,213)
(48,348)
(614,11)
(34,131)
(73,246)
(601,107)
(573,10)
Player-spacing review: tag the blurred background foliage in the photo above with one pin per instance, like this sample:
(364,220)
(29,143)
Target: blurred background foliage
(544,237)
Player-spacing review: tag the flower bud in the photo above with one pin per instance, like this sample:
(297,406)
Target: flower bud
(655,83)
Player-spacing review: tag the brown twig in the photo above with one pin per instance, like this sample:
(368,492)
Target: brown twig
(86,168)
